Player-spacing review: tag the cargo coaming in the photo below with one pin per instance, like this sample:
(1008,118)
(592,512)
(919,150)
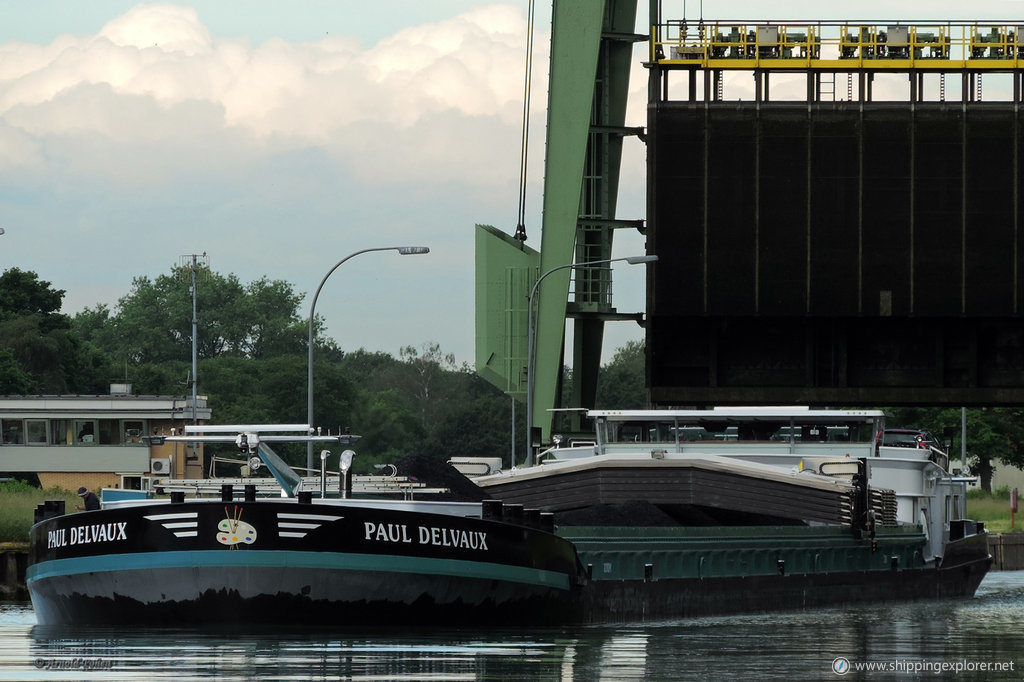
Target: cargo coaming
(669,526)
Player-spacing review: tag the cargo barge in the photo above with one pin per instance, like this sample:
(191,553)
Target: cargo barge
(663,514)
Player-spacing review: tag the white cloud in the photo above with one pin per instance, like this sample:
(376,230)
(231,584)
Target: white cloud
(156,74)
(154,138)
(17,149)
(171,28)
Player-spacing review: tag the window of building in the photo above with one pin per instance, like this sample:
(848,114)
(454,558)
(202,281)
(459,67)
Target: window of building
(11,432)
(110,431)
(58,431)
(35,431)
(133,430)
(85,431)
(21,431)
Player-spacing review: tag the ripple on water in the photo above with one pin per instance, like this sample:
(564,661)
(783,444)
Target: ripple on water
(789,645)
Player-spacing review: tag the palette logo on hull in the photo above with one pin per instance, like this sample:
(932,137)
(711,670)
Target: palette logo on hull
(233,531)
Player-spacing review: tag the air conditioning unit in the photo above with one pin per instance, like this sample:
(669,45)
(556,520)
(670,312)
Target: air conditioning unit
(160,465)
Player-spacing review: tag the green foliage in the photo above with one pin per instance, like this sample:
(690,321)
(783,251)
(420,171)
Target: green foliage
(994,434)
(153,323)
(423,377)
(22,293)
(993,509)
(14,380)
(1000,493)
(389,425)
(38,350)
(17,487)
(475,426)
(269,324)
(621,383)
(18,501)
(253,365)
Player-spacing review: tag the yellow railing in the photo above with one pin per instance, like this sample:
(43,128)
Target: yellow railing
(839,46)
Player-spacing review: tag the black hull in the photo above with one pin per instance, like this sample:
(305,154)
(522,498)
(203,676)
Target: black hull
(628,601)
(957,575)
(153,571)
(298,564)
(293,609)
(594,602)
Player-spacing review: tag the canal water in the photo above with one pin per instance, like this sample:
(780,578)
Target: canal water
(980,638)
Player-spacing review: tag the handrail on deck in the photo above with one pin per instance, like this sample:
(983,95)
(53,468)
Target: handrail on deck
(945,46)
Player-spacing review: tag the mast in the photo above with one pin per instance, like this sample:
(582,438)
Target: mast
(197,261)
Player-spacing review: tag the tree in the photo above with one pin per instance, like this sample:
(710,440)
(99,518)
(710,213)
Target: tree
(993,434)
(389,428)
(153,323)
(372,370)
(38,339)
(269,324)
(475,421)
(425,376)
(14,380)
(22,293)
(621,383)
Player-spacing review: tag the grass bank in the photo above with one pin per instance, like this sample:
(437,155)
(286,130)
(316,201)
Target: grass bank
(18,502)
(993,508)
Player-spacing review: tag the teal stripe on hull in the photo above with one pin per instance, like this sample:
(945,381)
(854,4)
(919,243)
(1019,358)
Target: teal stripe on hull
(292,559)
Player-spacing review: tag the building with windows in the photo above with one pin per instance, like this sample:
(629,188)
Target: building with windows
(99,441)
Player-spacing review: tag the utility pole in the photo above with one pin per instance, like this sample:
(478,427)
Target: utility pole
(194,262)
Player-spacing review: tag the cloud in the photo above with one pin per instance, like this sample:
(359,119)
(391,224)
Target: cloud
(156,75)
(17,149)
(171,28)
(153,138)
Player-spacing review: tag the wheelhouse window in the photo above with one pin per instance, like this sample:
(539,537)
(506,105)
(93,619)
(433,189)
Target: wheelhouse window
(662,432)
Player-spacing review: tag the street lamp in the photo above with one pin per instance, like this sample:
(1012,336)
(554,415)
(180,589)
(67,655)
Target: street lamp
(632,260)
(403,250)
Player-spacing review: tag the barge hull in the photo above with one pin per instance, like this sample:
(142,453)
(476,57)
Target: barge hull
(604,601)
(278,562)
(295,597)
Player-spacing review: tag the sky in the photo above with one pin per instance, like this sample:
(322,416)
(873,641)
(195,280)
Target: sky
(278,138)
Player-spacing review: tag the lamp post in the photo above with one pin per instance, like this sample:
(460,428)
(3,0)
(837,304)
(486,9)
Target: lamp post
(403,250)
(632,260)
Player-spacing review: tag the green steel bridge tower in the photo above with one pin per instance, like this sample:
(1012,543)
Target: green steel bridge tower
(591,52)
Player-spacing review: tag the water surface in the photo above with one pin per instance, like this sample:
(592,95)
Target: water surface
(911,641)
